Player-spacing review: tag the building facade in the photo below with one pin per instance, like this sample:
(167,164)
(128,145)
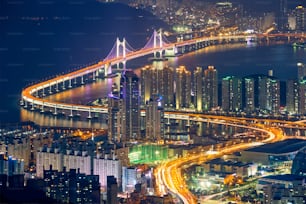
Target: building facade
(130,108)
(231,94)
(183,88)
(158,80)
(210,89)
(155,125)
(249,96)
(198,76)
(269,94)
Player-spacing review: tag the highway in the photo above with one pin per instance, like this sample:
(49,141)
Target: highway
(169,174)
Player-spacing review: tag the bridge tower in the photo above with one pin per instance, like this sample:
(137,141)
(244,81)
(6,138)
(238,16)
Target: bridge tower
(119,50)
(158,42)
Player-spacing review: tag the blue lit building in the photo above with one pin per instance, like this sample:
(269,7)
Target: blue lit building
(130,108)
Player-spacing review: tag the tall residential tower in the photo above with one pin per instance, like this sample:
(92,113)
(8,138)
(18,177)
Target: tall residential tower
(130,111)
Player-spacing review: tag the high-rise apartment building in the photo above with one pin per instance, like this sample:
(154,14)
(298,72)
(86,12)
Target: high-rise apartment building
(231,94)
(282,18)
(210,89)
(130,111)
(301,71)
(154,119)
(300,16)
(85,161)
(71,186)
(114,103)
(249,95)
(158,80)
(198,76)
(183,88)
(302,97)
(292,96)
(269,94)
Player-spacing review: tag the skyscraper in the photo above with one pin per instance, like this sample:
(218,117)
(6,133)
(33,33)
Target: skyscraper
(130,112)
(269,94)
(249,95)
(198,88)
(183,88)
(158,79)
(292,96)
(210,88)
(300,16)
(114,103)
(302,97)
(231,94)
(301,71)
(154,120)
(282,18)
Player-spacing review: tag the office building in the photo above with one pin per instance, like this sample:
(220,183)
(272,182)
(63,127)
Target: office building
(158,79)
(154,119)
(231,94)
(269,94)
(130,111)
(198,76)
(210,89)
(71,186)
(129,179)
(183,88)
(112,190)
(249,85)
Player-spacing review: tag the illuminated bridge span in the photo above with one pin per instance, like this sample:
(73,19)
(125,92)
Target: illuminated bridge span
(33,96)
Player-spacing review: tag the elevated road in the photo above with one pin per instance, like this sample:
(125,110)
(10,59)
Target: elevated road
(169,175)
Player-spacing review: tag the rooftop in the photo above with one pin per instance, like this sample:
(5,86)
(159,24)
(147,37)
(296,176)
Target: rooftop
(285,177)
(286,146)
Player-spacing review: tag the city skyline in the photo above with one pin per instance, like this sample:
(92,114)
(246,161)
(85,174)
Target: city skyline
(210,106)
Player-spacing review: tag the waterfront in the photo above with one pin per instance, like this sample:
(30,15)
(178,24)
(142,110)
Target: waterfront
(252,60)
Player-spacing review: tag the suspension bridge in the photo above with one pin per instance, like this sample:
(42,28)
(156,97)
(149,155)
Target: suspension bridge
(33,97)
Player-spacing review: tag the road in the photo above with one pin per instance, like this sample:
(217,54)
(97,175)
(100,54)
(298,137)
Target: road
(169,174)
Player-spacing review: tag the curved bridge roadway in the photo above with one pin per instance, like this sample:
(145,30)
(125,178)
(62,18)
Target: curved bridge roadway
(30,94)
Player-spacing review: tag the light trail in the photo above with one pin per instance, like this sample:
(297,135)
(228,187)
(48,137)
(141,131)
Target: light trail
(173,179)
